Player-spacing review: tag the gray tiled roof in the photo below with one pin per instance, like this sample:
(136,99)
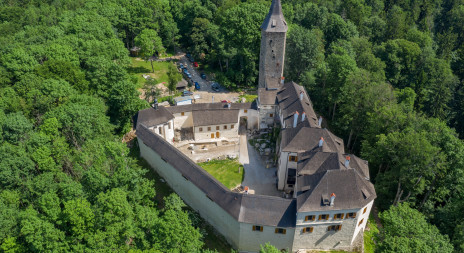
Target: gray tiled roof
(244,208)
(267,97)
(288,98)
(273,211)
(214,117)
(319,162)
(351,189)
(275,21)
(304,139)
(210,106)
(153,117)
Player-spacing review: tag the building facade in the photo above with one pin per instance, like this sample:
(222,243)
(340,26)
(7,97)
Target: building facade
(327,192)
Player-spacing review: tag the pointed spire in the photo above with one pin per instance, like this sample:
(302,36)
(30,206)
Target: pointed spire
(275,21)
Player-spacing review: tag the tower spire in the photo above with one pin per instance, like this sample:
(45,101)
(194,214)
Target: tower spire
(275,21)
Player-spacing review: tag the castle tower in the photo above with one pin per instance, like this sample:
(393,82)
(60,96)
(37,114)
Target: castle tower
(272,53)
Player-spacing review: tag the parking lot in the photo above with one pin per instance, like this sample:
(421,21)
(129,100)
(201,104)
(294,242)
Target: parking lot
(206,93)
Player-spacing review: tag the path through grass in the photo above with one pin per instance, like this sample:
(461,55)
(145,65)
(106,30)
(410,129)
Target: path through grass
(226,171)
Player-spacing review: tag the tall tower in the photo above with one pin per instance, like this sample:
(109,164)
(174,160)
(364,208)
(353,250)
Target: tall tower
(272,53)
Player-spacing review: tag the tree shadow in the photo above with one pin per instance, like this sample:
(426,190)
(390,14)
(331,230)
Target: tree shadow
(138,70)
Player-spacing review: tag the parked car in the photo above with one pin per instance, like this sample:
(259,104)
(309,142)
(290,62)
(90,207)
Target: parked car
(203,76)
(215,87)
(186,71)
(195,64)
(187,93)
(189,75)
(181,66)
(197,85)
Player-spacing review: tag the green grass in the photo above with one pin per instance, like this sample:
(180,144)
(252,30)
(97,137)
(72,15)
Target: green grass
(248,98)
(226,171)
(140,67)
(369,236)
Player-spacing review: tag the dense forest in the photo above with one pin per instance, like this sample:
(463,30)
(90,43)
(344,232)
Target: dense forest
(386,75)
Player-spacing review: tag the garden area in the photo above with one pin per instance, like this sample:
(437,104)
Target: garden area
(139,67)
(225,171)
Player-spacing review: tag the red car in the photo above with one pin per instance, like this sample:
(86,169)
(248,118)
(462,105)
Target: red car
(195,64)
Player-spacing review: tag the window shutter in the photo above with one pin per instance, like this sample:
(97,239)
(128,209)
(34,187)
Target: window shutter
(261,228)
(342,216)
(326,217)
(313,217)
(276,230)
(284,231)
(320,216)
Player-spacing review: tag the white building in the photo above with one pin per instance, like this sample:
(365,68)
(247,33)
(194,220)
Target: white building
(329,195)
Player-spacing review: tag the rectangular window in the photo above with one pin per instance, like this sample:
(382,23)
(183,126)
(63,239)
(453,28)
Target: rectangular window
(182,113)
(310,218)
(323,217)
(225,126)
(350,216)
(209,128)
(217,127)
(334,228)
(160,130)
(308,230)
(200,129)
(365,209)
(280,231)
(232,126)
(245,111)
(169,125)
(271,115)
(293,158)
(258,228)
(339,216)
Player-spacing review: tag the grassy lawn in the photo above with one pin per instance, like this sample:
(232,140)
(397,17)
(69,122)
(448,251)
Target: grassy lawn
(369,236)
(226,171)
(248,98)
(141,67)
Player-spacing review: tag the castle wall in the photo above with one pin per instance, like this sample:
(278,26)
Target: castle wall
(266,115)
(194,197)
(251,116)
(251,240)
(321,238)
(184,121)
(205,134)
(165,130)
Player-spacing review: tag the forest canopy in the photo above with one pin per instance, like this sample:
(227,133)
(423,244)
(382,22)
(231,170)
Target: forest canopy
(387,76)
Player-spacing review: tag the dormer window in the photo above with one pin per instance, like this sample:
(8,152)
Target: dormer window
(273,23)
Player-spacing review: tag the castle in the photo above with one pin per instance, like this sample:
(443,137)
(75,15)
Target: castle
(327,193)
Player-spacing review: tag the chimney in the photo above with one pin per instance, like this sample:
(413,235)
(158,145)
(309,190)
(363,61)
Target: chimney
(332,199)
(303,116)
(155,104)
(320,121)
(321,142)
(228,105)
(282,80)
(301,95)
(212,99)
(295,119)
(347,161)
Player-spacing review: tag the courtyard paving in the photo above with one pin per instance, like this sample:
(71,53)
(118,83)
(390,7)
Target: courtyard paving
(258,178)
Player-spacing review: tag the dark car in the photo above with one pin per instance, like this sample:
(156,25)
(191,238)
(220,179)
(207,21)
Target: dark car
(197,85)
(203,76)
(215,87)
(185,71)
(187,93)
(191,59)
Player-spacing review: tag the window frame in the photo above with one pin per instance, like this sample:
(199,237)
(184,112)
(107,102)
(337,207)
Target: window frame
(349,216)
(209,128)
(342,215)
(293,158)
(257,228)
(364,211)
(232,126)
(225,127)
(182,114)
(271,115)
(218,128)
(200,129)
(307,217)
(282,231)
(307,230)
(361,222)
(334,228)
(245,111)
(326,216)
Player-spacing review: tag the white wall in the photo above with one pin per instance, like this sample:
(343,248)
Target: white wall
(205,134)
(320,238)
(250,240)
(252,118)
(165,130)
(360,216)
(283,166)
(265,112)
(194,197)
(183,121)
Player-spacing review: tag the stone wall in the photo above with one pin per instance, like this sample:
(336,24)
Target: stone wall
(272,55)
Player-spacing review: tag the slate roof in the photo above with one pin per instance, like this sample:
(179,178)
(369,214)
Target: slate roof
(267,97)
(304,139)
(210,106)
(275,21)
(351,189)
(253,209)
(288,99)
(319,162)
(208,118)
(152,117)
